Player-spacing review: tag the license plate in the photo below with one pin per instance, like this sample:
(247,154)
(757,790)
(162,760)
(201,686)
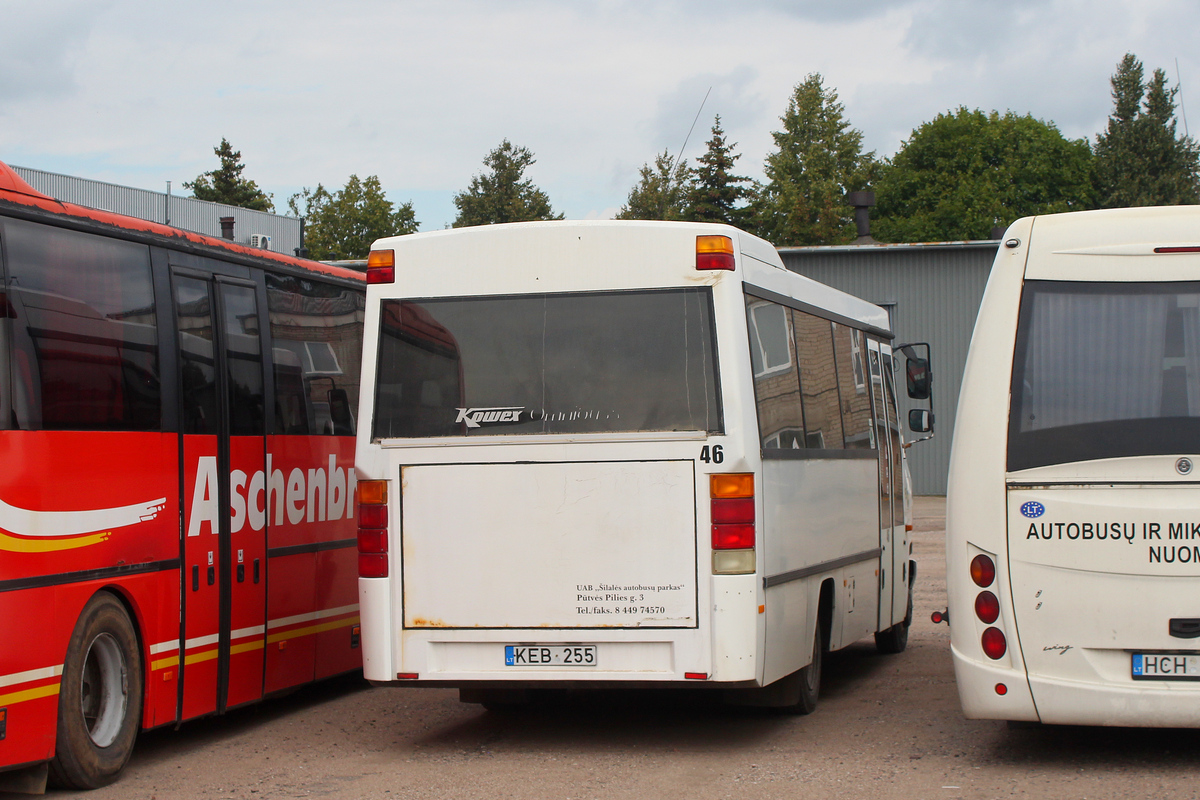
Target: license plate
(549,655)
(1166,667)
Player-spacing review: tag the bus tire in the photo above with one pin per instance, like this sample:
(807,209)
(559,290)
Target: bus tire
(810,677)
(100,697)
(894,639)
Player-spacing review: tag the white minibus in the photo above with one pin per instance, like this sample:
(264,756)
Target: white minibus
(624,453)
(1073,508)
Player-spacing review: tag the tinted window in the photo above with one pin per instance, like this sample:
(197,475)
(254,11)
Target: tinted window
(1103,370)
(316,333)
(84,338)
(547,363)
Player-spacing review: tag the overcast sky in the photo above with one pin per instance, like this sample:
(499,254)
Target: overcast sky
(138,92)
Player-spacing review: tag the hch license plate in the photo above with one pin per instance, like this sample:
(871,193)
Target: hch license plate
(549,655)
(1166,667)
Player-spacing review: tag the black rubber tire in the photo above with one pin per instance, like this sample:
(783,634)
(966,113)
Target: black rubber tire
(100,699)
(894,639)
(810,678)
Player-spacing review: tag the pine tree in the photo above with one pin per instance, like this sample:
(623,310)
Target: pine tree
(503,194)
(226,184)
(715,193)
(661,191)
(819,159)
(1139,159)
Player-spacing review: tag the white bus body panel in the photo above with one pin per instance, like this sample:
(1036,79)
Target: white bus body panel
(453,612)
(1087,571)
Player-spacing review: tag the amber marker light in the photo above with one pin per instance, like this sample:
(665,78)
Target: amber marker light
(714,252)
(381,266)
(983,571)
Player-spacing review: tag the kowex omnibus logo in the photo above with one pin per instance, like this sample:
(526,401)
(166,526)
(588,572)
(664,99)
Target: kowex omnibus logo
(474,417)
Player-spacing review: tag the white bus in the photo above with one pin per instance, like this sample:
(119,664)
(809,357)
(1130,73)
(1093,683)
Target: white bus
(1073,509)
(623,453)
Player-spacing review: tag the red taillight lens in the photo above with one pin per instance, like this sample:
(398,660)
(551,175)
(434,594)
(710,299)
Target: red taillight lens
(983,571)
(994,643)
(732,537)
(372,516)
(372,565)
(714,252)
(987,607)
(732,510)
(381,266)
(372,529)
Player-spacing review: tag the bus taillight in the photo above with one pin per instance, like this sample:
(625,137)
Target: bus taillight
(983,571)
(381,266)
(372,529)
(994,643)
(714,252)
(732,513)
(987,607)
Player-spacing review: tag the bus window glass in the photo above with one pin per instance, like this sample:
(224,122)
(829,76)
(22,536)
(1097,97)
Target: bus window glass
(547,363)
(243,359)
(897,448)
(316,335)
(818,381)
(852,383)
(197,365)
(85,343)
(776,376)
(1104,371)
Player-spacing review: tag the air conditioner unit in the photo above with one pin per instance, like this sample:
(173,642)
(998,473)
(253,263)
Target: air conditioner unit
(260,240)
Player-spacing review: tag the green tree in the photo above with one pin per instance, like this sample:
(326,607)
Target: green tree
(962,174)
(344,224)
(1140,160)
(226,184)
(503,194)
(819,159)
(715,194)
(661,191)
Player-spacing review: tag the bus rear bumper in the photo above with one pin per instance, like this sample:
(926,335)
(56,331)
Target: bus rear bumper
(1134,705)
(988,691)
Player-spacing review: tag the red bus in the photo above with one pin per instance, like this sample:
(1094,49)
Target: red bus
(177,533)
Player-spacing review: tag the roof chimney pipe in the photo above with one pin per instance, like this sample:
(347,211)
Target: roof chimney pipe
(862,202)
(226,228)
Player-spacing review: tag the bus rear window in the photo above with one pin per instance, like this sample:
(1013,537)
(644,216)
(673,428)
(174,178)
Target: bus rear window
(547,363)
(1104,370)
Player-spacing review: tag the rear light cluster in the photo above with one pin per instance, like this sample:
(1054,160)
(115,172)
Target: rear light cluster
(732,510)
(381,266)
(987,607)
(714,252)
(372,529)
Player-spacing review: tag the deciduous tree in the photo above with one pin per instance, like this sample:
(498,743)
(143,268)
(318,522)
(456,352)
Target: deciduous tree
(226,184)
(503,193)
(962,174)
(343,224)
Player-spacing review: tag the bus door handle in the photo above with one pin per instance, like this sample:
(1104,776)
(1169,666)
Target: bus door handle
(256,570)
(241,573)
(195,577)
(1185,627)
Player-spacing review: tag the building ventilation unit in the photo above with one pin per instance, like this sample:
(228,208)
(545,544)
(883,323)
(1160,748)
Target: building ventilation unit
(260,240)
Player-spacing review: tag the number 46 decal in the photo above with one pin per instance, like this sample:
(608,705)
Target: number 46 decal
(715,455)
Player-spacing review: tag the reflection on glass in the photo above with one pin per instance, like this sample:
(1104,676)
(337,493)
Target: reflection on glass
(563,363)
(197,365)
(243,360)
(856,403)
(818,381)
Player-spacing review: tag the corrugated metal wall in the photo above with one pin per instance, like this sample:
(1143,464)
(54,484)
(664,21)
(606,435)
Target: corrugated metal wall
(936,290)
(182,212)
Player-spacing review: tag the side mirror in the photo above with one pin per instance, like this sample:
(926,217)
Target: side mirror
(920,420)
(917,372)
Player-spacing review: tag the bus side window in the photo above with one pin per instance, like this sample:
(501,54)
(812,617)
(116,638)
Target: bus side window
(852,381)
(818,381)
(84,331)
(776,377)
(316,364)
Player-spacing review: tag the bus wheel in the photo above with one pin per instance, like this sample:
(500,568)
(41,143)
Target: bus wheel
(810,677)
(100,697)
(895,639)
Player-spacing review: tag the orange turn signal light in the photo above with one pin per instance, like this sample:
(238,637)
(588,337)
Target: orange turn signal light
(729,485)
(714,252)
(372,493)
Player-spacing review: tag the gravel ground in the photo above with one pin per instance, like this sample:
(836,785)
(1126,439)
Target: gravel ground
(887,727)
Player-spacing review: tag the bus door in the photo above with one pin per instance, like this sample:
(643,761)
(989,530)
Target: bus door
(224,526)
(898,569)
(883,441)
